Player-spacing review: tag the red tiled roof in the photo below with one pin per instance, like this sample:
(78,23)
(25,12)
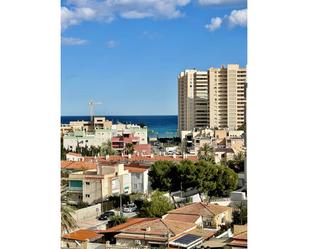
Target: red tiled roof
(135,158)
(134,169)
(130,222)
(143,148)
(82,235)
(178,227)
(201,209)
(190,218)
(77,165)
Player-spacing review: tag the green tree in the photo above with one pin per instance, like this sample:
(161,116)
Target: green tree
(226,181)
(106,149)
(160,175)
(157,207)
(68,223)
(238,162)
(205,177)
(129,148)
(117,220)
(183,176)
(64,151)
(206,153)
(240,215)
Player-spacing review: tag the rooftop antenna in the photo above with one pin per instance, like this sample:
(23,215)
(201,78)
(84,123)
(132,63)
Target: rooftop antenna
(92,104)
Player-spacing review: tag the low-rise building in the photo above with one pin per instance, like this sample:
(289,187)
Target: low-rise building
(80,239)
(91,185)
(71,156)
(223,154)
(119,135)
(211,216)
(156,232)
(239,240)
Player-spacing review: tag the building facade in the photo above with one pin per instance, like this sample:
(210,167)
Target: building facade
(215,98)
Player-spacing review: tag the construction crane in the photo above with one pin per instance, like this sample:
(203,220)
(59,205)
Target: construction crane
(92,104)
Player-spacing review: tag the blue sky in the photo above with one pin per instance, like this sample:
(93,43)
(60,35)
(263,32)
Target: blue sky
(127,53)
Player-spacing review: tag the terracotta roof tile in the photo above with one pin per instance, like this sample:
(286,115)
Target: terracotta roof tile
(77,165)
(178,227)
(130,222)
(191,218)
(201,209)
(135,169)
(82,235)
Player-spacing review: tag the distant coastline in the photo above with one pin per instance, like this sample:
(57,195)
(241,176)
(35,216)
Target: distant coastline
(164,126)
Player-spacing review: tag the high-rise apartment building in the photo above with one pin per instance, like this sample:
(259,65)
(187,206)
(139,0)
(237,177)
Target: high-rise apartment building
(193,99)
(213,98)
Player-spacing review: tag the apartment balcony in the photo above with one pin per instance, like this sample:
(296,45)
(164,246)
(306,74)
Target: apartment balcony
(75,189)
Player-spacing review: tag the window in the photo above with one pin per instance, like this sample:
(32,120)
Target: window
(87,183)
(135,185)
(87,196)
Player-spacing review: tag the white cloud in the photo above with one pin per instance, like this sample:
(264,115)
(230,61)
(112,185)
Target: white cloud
(74,17)
(78,11)
(221,2)
(236,18)
(111,44)
(72,41)
(215,23)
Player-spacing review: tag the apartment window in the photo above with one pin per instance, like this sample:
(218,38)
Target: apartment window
(87,183)
(87,196)
(135,186)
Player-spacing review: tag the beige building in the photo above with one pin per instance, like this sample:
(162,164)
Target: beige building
(215,98)
(193,99)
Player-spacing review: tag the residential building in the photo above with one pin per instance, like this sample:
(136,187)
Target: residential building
(215,98)
(71,156)
(118,134)
(94,184)
(80,238)
(193,100)
(227,96)
(223,154)
(240,240)
(155,232)
(139,178)
(211,216)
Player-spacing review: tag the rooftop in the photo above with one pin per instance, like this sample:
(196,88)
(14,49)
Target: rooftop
(200,208)
(77,165)
(82,235)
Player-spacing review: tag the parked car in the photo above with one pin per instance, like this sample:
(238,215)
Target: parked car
(130,208)
(106,215)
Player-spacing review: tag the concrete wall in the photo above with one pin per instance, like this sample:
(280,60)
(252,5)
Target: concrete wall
(87,213)
(91,190)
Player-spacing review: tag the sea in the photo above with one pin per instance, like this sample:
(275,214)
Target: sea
(160,126)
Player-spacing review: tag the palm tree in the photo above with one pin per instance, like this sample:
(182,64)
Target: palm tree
(206,153)
(129,148)
(68,223)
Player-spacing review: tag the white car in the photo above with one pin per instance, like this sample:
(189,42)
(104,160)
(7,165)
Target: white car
(129,208)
